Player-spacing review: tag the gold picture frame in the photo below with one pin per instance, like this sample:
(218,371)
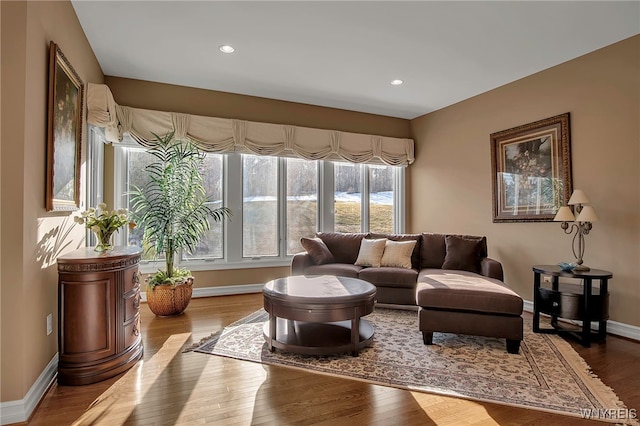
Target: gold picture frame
(64,133)
(531,170)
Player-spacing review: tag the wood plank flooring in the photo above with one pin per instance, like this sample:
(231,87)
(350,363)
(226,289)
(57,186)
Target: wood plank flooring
(168,387)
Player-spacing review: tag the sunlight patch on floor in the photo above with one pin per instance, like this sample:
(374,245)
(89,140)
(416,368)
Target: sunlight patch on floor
(123,396)
(448,410)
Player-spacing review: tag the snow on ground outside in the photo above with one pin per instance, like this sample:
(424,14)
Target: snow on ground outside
(383,197)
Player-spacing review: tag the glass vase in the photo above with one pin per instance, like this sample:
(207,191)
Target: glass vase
(105,242)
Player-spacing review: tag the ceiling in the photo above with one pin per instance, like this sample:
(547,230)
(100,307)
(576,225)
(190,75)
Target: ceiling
(344,54)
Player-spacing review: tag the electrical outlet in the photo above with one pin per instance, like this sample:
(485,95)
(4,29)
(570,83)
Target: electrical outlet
(49,324)
(546,278)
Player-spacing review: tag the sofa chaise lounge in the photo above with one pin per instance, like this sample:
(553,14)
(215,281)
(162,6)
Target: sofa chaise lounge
(456,287)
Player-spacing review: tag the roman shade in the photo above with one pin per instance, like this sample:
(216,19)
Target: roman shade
(221,135)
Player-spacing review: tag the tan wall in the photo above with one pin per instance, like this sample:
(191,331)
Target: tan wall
(451,178)
(29,278)
(166,97)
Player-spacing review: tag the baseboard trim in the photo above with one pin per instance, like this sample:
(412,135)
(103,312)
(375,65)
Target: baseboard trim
(20,410)
(226,290)
(613,327)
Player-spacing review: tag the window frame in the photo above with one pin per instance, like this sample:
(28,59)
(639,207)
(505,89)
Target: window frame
(232,198)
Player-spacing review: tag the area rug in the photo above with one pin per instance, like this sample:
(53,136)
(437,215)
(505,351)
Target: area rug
(546,375)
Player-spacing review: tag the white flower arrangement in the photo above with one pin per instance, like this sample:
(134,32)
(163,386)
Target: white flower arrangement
(104,223)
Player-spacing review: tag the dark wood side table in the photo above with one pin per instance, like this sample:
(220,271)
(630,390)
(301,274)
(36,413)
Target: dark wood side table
(98,314)
(578,302)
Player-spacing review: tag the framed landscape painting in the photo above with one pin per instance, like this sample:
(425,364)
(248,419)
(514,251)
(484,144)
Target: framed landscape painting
(531,170)
(64,133)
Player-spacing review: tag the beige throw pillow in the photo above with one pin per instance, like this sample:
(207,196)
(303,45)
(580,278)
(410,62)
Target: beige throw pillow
(371,252)
(397,254)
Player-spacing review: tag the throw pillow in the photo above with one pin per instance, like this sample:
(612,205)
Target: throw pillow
(462,254)
(318,250)
(343,246)
(371,252)
(397,254)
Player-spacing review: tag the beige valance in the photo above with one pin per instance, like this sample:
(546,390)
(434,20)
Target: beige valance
(228,135)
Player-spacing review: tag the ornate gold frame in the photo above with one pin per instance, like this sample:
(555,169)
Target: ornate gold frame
(531,170)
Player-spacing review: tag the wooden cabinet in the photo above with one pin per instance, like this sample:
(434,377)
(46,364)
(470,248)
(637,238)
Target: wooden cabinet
(98,314)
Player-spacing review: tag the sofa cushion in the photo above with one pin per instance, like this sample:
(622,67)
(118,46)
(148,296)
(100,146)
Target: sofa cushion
(465,291)
(339,269)
(370,252)
(343,247)
(390,277)
(432,250)
(415,255)
(463,253)
(397,254)
(318,250)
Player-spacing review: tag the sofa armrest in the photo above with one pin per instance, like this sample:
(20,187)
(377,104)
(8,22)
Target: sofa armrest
(491,268)
(300,262)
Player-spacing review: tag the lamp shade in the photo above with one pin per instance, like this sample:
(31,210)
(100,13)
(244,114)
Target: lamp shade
(578,197)
(587,214)
(564,215)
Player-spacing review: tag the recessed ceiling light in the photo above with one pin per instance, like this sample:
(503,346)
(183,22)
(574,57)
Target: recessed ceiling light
(396,82)
(227,49)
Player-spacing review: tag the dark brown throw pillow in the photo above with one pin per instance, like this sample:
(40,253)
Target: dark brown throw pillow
(462,254)
(343,246)
(318,250)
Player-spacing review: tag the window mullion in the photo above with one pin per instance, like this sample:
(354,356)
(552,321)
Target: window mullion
(282,207)
(326,201)
(399,201)
(364,198)
(233,194)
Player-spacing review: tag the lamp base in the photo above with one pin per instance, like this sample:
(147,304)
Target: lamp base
(581,268)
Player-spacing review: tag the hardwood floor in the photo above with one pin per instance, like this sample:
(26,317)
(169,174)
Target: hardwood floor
(168,387)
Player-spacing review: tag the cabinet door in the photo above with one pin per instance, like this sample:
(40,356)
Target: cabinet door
(87,317)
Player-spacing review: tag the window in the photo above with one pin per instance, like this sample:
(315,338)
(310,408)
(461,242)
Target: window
(259,206)
(381,200)
(274,202)
(347,197)
(302,202)
(94,173)
(211,246)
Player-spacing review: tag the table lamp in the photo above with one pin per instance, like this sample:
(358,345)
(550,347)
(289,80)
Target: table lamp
(584,216)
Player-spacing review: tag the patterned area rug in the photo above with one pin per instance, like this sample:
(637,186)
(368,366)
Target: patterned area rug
(546,375)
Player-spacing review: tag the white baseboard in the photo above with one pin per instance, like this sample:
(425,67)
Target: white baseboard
(226,290)
(19,411)
(613,327)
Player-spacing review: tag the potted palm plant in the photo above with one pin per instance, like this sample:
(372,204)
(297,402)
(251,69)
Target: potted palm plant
(173,211)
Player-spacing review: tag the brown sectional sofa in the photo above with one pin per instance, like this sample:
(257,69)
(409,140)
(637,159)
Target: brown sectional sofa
(457,288)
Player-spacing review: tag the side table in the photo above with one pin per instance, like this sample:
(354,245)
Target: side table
(578,302)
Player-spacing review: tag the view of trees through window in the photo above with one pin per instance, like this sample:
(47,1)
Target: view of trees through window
(302,202)
(381,199)
(347,197)
(211,244)
(265,216)
(259,206)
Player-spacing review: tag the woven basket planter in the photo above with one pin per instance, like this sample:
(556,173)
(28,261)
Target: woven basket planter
(167,300)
